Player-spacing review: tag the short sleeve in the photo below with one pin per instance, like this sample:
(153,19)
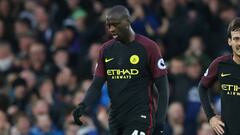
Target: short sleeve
(100,68)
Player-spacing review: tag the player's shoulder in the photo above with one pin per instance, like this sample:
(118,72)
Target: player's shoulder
(222,58)
(108,43)
(145,41)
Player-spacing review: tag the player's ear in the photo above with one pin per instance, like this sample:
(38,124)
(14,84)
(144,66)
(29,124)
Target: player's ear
(229,41)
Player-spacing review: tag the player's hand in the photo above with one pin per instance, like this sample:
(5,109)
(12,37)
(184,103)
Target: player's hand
(78,112)
(217,124)
(158,130)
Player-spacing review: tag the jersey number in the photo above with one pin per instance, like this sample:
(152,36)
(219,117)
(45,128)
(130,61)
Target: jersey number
(135,132)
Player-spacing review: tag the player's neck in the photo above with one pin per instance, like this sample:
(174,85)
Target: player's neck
(236,59)
(131,37)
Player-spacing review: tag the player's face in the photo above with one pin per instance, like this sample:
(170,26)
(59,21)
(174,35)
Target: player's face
(119,28)
(234,42)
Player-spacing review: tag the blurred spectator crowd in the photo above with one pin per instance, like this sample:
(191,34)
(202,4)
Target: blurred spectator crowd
(48,51)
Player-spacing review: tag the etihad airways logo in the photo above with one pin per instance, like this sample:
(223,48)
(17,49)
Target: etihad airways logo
(122,73)
(231,89)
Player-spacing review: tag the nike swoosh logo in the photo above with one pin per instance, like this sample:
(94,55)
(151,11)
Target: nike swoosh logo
(107,60)
(224,75)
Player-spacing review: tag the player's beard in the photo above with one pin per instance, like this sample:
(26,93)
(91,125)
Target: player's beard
(124,35)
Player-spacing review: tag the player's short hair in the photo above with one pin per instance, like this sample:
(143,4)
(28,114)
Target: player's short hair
(120,11)
(233,26)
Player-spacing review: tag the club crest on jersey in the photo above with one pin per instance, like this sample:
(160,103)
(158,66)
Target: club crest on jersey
(134,59)
(161,64)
